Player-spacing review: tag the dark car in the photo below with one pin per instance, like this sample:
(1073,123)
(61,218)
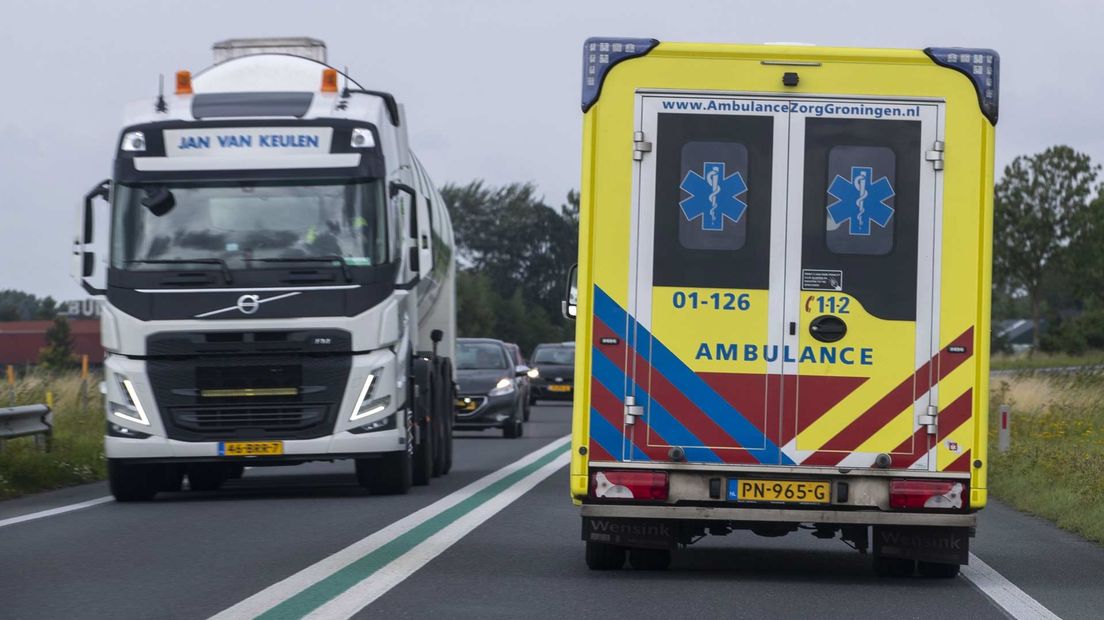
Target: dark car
(523,380)
(554,378)
(488,392)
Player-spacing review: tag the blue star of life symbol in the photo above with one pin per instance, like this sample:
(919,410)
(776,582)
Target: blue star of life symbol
(713,196)
(860,200)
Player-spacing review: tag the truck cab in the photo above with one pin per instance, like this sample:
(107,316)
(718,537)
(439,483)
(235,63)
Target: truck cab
(279,279)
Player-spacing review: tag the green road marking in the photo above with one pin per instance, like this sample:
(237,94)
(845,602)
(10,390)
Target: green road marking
(321,592)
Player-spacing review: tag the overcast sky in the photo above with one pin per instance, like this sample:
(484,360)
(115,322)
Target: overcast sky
(491,88)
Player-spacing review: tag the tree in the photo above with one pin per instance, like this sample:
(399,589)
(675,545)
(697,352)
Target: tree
(1040,203)
(58,352)
(19,306)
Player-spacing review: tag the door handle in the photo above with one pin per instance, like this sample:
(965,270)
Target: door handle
(793,328)
(828,328)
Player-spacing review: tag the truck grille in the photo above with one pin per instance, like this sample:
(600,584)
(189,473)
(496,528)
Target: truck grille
(214,386)
(232,420)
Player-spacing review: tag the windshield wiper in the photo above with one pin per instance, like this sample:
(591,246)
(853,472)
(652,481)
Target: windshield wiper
(309,259)
(187,261)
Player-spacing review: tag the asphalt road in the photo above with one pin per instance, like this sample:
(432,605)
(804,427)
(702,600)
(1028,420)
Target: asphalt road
(292,541)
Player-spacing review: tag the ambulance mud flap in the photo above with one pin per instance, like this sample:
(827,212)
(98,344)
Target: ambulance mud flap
(945,545)
(632,533)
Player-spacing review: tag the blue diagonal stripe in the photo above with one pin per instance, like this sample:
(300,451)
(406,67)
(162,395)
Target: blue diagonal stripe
(671,430)
(690,384)
(611,439)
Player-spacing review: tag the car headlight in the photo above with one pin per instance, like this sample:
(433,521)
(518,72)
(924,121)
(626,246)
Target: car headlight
(366,405)
(533,373)
(131,410)
(504,386)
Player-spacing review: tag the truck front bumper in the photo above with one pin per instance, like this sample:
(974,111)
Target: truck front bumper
(337,446)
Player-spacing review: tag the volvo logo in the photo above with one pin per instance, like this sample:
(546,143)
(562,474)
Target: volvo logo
(247,304)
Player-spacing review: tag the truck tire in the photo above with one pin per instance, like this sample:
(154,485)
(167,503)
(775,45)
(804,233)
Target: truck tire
(938,570)
(423,455)
(442,410)
(389,475)
(137,482)
(600,556)
(206,476)
(449,411)
(172,478)
(422,406)
(650,559)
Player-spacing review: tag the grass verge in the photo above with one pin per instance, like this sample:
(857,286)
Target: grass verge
(1023,361)
(1055,467)
(76,455)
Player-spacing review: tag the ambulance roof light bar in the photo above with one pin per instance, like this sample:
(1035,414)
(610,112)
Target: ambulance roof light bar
(981,65)
(304,47)
(600,54)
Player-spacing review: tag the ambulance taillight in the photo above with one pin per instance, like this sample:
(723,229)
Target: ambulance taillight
(925,494)
(641,485)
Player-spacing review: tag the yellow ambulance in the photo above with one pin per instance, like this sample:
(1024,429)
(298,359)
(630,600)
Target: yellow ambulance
(783,298)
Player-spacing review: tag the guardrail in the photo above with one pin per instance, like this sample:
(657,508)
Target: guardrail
(28,420)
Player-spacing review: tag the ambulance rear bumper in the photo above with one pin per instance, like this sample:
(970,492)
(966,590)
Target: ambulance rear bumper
(778,515)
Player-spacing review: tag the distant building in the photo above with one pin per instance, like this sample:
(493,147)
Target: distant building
(20,341)
(1017,333)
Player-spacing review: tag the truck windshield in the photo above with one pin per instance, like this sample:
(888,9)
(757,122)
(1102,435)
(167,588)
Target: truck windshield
(242,224)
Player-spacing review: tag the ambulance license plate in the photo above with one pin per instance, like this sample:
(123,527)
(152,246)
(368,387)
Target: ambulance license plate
(559,388)
(250,448)
(786,491)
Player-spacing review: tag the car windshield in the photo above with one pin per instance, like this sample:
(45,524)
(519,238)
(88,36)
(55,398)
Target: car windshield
(560,356)
(243,224)
(480,356)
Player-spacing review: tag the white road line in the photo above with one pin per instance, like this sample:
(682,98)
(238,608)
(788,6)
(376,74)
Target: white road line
(364,593)
(281,591)
(1004,593)
(55,511)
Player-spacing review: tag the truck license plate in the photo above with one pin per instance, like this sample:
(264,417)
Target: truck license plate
(250,448)
(789,491)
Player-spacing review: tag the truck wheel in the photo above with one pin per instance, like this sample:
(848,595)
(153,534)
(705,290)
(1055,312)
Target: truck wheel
(600,556)
(235,471)
(938,570)
(650,559)
(172,478)
(442,410)
(206,476)
(133,482)
(423,456)
(893,567)
(448,413)
(389,475)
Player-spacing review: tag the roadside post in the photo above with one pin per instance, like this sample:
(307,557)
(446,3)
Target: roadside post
(1004,435)
(11,383)
(83,385)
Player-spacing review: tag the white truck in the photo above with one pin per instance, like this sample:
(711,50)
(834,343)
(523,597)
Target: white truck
(279,285)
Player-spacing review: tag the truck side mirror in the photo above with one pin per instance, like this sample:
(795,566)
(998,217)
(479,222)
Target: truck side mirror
(570,304)
(84,258)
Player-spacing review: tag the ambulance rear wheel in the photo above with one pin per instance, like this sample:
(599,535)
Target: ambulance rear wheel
(938,570)
(893,567)
(600,556)
(650,559)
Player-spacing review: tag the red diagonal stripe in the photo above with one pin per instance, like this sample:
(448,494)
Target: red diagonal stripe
(611,408)
(889,406)
(955,414)
(962,463)
(597,453)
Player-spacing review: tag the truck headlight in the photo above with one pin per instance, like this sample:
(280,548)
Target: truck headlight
(366,405)
(132,409)
(504,386)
